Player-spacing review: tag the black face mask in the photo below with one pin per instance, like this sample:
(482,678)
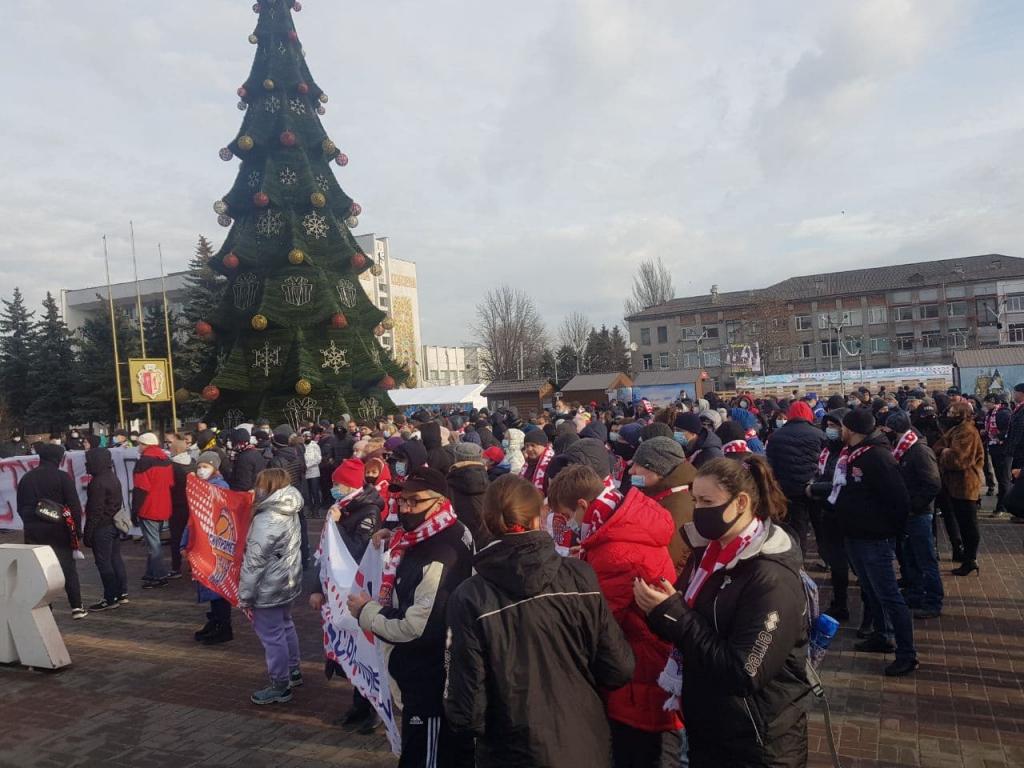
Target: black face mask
(412,520)
(710,522)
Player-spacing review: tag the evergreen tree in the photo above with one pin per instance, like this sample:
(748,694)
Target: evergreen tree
(549,367)
(95,391)
(51,371)
(619,351)
(195,359)
(599,351)
(295,334)
(566,358)
(17,348)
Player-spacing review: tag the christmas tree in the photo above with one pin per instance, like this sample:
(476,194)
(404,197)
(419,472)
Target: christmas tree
(295,334)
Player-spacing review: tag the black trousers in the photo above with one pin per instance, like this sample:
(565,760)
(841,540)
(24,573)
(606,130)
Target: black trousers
(220,611)
(833,549)
(949,519)
(66,559)
(428,742)
(1001,462)
(966,512)
(633,748)
(106,552)
(798,520)
(177,524)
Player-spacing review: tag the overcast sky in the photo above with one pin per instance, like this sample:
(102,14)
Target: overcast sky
(547,144)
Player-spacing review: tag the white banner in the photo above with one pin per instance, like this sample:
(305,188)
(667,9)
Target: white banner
(11,471)
(358,653)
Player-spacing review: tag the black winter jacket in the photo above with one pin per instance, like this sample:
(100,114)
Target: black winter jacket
(290,459)
(743,648)
(920,471)
(413,628)
(248,463)
(359,521)
(525,674)
(708,446)
(467,481)
(104,496)
(179,501)
(926,424)
(874,504)
(48,481)
(793,453)
(437,457)
(1015,438)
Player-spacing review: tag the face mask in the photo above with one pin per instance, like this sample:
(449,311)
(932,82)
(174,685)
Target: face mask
(204,473)
(695,540)
(401,467)
(779,423)
(638,481)
(16,439)
(412,521)
(504,444)
(710,522)
(74,435)
(681,438)
(832,435)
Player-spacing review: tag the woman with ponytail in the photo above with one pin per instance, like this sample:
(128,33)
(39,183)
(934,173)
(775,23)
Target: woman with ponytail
(532,643)
(738,622)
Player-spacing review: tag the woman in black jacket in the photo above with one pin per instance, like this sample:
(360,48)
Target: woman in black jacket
(525,674)
(105,499)
(739,623)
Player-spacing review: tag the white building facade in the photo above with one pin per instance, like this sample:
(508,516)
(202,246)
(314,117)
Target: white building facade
(444,366)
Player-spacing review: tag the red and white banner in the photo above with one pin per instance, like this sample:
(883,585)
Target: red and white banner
(218,523)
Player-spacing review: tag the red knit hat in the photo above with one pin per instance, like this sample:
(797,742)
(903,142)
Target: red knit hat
(800,411)
(495,454)
(350,473)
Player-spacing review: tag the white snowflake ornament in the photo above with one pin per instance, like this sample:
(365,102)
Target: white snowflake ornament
(288,177)
(270,224)
(334,358)
(297,105)
(315,225)
(271,104)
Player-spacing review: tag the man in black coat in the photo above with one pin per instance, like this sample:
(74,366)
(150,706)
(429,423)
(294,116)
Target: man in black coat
(183,466)
(249,461)
(1015,438)
(290,458)
(995,433)
(793,452)
(437,457)
(48,482)
(468,481)
(872,503)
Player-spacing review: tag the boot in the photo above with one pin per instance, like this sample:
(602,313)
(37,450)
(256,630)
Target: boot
(958,553)
(207,628)
(838,612)
(221,634)
(968,567)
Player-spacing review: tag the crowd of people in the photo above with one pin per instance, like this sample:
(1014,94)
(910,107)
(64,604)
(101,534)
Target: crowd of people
(632,573)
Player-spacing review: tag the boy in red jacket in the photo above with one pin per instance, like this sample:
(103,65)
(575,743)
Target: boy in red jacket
(152,480)
(623,539)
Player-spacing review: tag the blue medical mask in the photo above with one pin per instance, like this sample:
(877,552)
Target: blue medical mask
(832,434)
(401,467)
(638,481)
(680,437)
(504,444)
(337,494)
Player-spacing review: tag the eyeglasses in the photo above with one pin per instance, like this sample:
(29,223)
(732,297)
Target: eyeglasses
(412,502)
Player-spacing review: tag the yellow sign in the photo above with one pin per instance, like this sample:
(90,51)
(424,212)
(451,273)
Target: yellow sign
(150,381)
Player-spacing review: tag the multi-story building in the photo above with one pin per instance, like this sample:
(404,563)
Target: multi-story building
(452,365)
(884,317)
(77,304)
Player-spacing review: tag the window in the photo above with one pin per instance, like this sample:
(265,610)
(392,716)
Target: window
(383,301)
(987,311)
(853,317)
(880,345)
(853,345)
(830,348)
(931,340)
(711,331)
(382,287)
(985,289)
(957,309)
(645,336)
(929,311)
(690,333)
(712,358)
(663,334)
(905,343)
(779,354)
(1016,333)
(732,329)
(1015,303)
(900,297)
(903,314)
(876,315)
(958,339)
(804,350)
(753,327)
(928,294)
(841,317)
(648,362)
(803,322)
(956,292)
(691,360)
(663,360)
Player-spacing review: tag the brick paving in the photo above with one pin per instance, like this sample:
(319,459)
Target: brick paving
(142,694)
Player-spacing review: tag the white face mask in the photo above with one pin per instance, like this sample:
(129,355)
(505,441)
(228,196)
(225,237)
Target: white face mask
(204,473)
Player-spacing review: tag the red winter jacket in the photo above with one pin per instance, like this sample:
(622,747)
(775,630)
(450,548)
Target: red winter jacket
(152,480)
(634,542)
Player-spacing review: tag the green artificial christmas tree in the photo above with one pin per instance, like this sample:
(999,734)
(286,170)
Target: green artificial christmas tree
(295,334)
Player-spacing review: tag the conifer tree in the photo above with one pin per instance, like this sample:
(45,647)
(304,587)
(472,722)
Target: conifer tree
(17,347)
(51,371)
(95,390)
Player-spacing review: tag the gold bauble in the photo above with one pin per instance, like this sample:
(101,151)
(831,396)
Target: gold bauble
(323,98)
(376,270)
(253,39)
(329,146)
(245,143)
(303,387)
(388,323)
(268,84)
(318,199)
(378,331)
(296,256)
(259,322)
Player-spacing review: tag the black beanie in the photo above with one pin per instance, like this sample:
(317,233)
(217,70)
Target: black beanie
(1018,387)
(537,437)
(860,420)
(898,422)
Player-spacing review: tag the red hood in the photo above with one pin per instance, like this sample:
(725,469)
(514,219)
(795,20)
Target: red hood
(801,411)
(638,520)
(155,451)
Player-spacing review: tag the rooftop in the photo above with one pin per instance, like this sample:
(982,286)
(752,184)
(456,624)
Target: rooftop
(506,387)
(588,381)
(992,357)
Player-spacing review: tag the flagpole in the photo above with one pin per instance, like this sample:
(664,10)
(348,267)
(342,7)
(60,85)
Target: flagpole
(113,333)
(167,333)
(138,306)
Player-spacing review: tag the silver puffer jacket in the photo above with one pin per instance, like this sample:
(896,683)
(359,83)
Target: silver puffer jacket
(272,569)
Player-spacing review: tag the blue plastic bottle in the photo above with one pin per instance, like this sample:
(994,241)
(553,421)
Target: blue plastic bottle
(825,629)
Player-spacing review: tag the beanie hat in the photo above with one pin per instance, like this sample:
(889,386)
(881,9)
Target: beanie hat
(148,438)
(426,479)
(536,437)
(1018,387)
(660,455)
(282,434)
(210,457)
(835,416)
(657,429)
(711,416)
(860,421)
(468,452)
(240,437)
(351,473)
(898,422)
(689,422)
(800,410)
(495,454)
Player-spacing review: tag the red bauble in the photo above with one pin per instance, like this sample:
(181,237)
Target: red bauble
(288,138)
(260,199)
(242,93)
(355,210)
(293,36)
(203,328)
(302,88)
(210,392)
(255,7)
(341,159)
(339,321)
(386,383)
(231,261)
(358,261)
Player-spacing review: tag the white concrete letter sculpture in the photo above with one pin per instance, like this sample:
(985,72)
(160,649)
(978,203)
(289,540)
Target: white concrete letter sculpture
(30,578)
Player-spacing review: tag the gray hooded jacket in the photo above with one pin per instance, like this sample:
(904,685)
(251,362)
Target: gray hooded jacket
(272,569)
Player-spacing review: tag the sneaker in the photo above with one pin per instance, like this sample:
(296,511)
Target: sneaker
(351,719)
(369,725)
(172,575)
(79,613)
(864,631)
(926,613)
(103,605)
(874,644)
(901,667)
(272,694)
(294,678)
(208,627)
(154,584)
(123,599)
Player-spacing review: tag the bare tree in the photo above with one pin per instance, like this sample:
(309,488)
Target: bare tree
(766,322)
(574,333)
(652,285)
(509,327)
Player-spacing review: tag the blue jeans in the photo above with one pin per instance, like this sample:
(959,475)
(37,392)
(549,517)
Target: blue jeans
(921,564)
(106,551)
(872,562)
(155,568)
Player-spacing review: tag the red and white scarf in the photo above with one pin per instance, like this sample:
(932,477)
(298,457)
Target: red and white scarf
(403,540)
(716,557)
(908,439)
(598,511)
(736,446)
(846,457)
(992,426)
(823,460)
(540,469)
